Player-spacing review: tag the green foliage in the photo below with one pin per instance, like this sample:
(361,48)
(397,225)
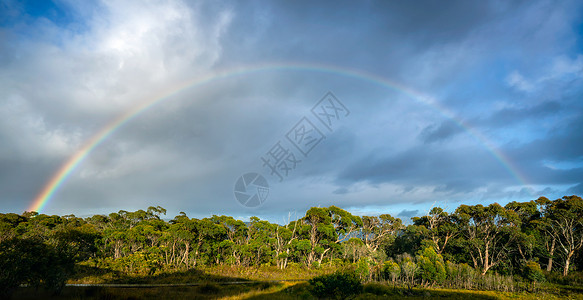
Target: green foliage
(339,285)
(363,268)
(431,266)
(533,272)
(408,241)
(391,270)
(474,247)
(408,269)
(31,261)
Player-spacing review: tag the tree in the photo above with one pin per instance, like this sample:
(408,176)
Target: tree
(10,225)
(407,240)
(237,237)
(21,261)
(381,230)
(284,237)
(320,233)
(545,224)
(354,249)
(431,266)
(441,227)
(526,238)
(391,270)
(489,231)
(408,269)
(262,237)
(344,223)
(31,261)
(566,226)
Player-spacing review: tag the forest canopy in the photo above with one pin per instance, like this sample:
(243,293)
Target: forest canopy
(520,238)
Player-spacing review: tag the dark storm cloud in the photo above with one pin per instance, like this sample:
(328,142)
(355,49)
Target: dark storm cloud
(509,116)
(379,36)
(501,118)
(564,142)
(440,132)
(460,168)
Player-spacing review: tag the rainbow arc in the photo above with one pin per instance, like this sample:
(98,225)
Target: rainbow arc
(63,173)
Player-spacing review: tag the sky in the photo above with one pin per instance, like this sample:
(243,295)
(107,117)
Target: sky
(268,108)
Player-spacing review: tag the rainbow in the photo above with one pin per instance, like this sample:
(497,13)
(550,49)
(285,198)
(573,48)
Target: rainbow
(57,180)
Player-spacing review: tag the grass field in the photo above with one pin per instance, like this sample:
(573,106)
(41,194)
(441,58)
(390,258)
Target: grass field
(295,290)
(257,283)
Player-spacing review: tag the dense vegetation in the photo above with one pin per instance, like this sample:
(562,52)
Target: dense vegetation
(490,247)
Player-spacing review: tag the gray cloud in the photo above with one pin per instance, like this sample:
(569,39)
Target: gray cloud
(439,132)
(408,213)
(510,71)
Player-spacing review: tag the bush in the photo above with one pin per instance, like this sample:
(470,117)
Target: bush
(30,261)
(391,270)
(339,285)
(431,266)
(363,268)
(408,269)
(316,265)
(533,272)
(574,278)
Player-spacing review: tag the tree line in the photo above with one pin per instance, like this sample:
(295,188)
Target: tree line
(516,239)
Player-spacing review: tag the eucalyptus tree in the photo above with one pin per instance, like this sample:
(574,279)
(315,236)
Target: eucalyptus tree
(236,239)
(326,228)
(379,231)
(489,231)
(177,246)
(261,242)
(10,225)
(209,235)
(285,236)
(529,235)
(441,228)
(345,224)
(318,229)
(565,224)
(544,223)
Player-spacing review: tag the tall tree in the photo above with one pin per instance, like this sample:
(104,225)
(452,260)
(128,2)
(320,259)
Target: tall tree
(378,231)
(317,225)
(566,225)
(489,231)
(441,227)
(526,238)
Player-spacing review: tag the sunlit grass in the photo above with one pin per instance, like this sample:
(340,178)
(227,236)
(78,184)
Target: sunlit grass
(284,291)
(209,283)
(90,275)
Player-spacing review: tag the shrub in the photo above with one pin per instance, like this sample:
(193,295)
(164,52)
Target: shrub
(431,266)
(377,289)
(339,285)
(363,268)
(391,270)
(408,269)
(30,261)
(533,272)
(316,264)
